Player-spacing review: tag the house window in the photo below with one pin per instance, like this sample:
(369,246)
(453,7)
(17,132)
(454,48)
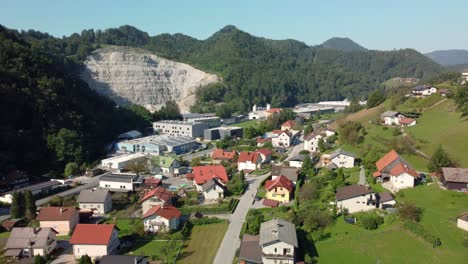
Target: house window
(286,251)
(275,250)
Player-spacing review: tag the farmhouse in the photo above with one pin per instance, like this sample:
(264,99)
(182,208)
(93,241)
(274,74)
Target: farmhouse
(213,190)
(311,142)
(342,159)
(155,197)
(355,198)
(391,118)
(455,178)
(462,221)
(61,219)
(202,174)
(279,189)
(95,240)
(265,154)
(249,161)
(424,90)
(220,155)
(407,122)
(19,243)
(281,139)
(161,218)
(98,201)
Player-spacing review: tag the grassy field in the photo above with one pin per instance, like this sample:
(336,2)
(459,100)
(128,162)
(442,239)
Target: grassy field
(392,244)
(247,123)
(4,235)
(441,125)
(155,248)
(203,244)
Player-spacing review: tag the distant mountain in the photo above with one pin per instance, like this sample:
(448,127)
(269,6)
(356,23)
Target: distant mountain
(342,44)
(449,57)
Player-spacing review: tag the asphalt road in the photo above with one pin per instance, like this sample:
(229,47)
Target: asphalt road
(198,154)
(231,241)
(70,192)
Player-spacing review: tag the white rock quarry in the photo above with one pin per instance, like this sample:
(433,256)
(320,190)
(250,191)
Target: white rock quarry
(129,75)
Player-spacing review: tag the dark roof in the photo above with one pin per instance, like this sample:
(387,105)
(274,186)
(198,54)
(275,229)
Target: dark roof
(278,230)
(463,217)
(455,174)
(122,259)
(351,191)
(291,173)
(250,249)
(36,187)
(271,203)
(298,158)
(339,151)
(20,237)
(385,197)
(93,196)
(210,184)
(128,178)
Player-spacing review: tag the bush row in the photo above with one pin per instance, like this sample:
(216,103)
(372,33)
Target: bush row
(217,209)
(206,220)
(419,230)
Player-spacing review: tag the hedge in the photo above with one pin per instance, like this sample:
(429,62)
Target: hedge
(419,230)
(206,220)
(211,209)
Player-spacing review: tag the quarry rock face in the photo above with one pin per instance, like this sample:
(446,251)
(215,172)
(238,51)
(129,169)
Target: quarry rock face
(129,75)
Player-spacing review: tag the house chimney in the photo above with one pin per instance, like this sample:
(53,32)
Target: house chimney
(268,106)
(61,210)
(115,220)
(135,260)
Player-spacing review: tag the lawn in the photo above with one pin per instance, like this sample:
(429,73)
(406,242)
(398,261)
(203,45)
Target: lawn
(441,125)
(203,244)
(247,123)
(4,234)
(155,248)
(392,244)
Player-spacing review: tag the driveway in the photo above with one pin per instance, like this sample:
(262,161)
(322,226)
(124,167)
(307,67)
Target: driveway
(231,241)
(198,154)
(66,257)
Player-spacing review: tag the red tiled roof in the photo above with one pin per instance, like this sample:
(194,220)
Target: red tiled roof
(406,120)
(223,154)
(289,123)
(265,151)
(402,168)
(165,211)
(57,213)
(280,181)
(386,160)
(159,192)
(263,140)
(92,234)
(274,110)
(251,156)
(152,181)
(277,131)
(271,203)
(202,174)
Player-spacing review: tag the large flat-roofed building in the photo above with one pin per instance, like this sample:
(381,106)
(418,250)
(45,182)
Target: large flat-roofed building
(35,189)
(120,182)
(120,162)
(158,144)
(222,132)
(180,128)
(212,121)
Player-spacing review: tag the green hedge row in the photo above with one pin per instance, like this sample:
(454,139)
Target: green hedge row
(206,220)
(211,209)
(419,230)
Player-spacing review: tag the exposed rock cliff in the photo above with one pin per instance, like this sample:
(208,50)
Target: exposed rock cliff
(140,77)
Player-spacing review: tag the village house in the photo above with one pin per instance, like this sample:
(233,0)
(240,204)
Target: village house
(28,242)
(424,90)
(123,259)
(280,189)
(273,112)
(249,161)
(213,190)
(95,240)
(407,122)
(462,221)
(464,76)
(291,173)
(155,197)
(455,178)
(391,118)
(151,183)
(161,218)
(220,155)
(202,174)
(281,139)
(355,198)
(297,161)
(276,243)
(392,168)
(165,164)
(97,201)
(265,154)
(340,159)
(261,141)
(288,125)
(120,182)
(311,142)
(61,219)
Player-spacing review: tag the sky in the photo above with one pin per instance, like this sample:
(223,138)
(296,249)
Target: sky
(375,24)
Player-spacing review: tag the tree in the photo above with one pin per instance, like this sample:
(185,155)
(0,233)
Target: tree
(308,129)
(321,145)
(250,132)
(350,132)
(439,159)
(370,221)
(30,205)
(409,211)
(66,145)
(224,111)
(461,100)
(353,107)
(195,162)
(39,260)
(57,200)
(254,221)
(85,259)
(375,98)
(340,178)
(137,166)
(71,169)
(17,209)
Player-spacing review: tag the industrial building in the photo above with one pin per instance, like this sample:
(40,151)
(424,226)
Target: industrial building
(180,128)
(222,132)
(158,144)
(212,121)
(122,161)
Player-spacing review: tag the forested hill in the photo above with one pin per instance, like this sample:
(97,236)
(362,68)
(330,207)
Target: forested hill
(343,44)
(283,72)
(49,116)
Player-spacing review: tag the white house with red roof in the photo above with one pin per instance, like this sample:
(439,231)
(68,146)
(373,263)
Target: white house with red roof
(95,240)
(161,218)
(406,122)
(288,125)
(281,139)
(394,169)
(202,174)
(265,154)
(249,161)
(220,155)
(157,196)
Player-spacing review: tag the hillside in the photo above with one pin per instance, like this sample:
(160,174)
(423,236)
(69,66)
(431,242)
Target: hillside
(449,57)
(128,75)
(342,44)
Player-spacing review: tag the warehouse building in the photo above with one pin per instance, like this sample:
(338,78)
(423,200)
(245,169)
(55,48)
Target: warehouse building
(180,128)
(157,144)
(222,132)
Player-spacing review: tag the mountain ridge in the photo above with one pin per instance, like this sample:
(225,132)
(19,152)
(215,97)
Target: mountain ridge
(449,57)
(342,44)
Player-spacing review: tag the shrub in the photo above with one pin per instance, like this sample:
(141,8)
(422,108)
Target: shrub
(370,221)
(409,211)
(206,220)
(419,230)
(225,207)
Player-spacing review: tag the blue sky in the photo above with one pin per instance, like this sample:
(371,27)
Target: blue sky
(377,24)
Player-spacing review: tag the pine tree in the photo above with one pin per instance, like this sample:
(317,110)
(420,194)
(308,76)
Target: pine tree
(321,145)
(30,205)
(39,260)
(340,178)
(17,205)
(85,259)
(439,159)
